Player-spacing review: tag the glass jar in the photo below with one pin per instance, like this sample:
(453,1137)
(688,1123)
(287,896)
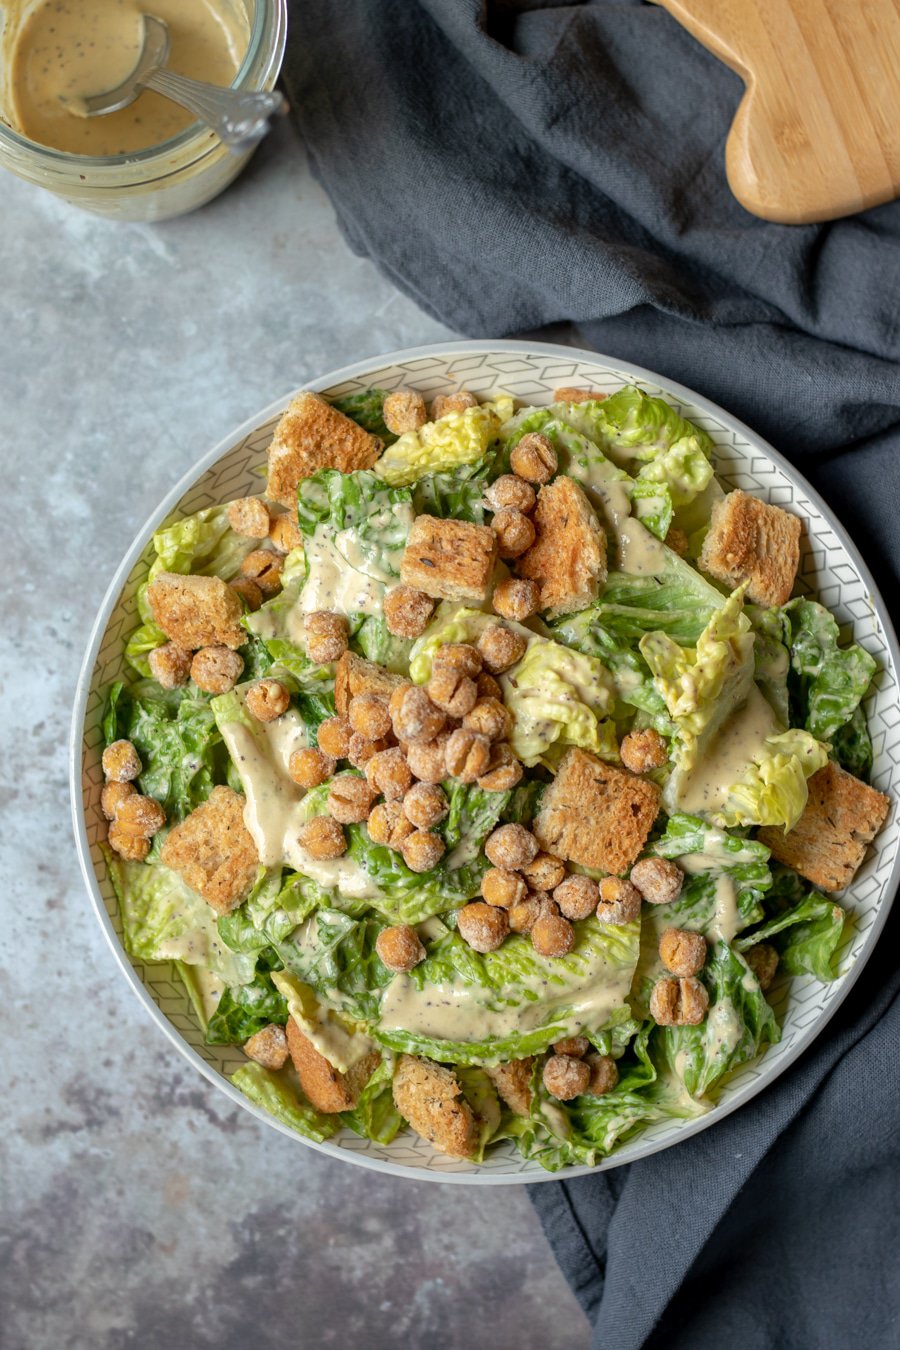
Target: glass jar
(167,179)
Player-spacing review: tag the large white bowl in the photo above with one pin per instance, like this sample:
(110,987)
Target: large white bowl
(831,569)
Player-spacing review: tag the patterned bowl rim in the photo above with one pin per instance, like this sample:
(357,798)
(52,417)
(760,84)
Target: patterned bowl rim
(356,371)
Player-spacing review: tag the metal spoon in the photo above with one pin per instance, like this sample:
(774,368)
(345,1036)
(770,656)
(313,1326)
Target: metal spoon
(239,119)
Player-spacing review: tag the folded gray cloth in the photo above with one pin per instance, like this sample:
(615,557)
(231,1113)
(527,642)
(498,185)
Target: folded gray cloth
(516,164)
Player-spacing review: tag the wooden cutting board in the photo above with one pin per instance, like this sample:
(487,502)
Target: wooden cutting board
(817,133)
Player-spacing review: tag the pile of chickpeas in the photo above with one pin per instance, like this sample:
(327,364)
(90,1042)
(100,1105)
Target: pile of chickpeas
(573,1071)
(133,818)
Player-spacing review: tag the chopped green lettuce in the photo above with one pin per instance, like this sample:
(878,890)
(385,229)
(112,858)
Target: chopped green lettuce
(772,790)
(375,1116)
(278,1092)
(203,544)
(827,681)
(245,1009)
(805,927)
(458,493)
(366,408)
(360,501)
(634,686)
(454,439)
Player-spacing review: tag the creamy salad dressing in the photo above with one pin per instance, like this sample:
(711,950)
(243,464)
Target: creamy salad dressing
(461,1012)
(726,920)
(725,762)
(639,553)
(342,1045)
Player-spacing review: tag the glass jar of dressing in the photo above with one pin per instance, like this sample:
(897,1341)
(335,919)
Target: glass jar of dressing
(120,174)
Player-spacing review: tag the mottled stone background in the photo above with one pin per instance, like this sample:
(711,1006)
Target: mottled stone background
(138,1207)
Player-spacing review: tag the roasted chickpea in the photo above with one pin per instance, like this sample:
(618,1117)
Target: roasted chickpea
(264,567)
(488,717)
(500,648)
(467,755)
(488,687)
(407,611)
(677,541)
(249,593)
(422,850)
(620,901)
(369,715)
(428,760)
(604,1075)
(513,531)
(511,846)
(267,700)
(509,490)
(682,952)
(448,403)
(170,665)
(399,948)
(361,749)
(642,751)
(388,825)
(658,879)
(500,886)
(284,533)
(482,926)
(216,669)
(417,718)
(388,773)
(577,896)
(425,805)
(565,1077)
(534,458)
(121,762)
(454,693)
(503,770)
(326,636)
(334,737)
(678,1002)
(396,699)
(140,815)
(544,872)
(568,393)
(112,797)
(404,410)
(130,846)
(323,838)
(268,1047)
(250,517)
(350,798)
(524,915)
(575,1046)
(311,767)
(763,961)
(458,656)
(552,935)
(516,598)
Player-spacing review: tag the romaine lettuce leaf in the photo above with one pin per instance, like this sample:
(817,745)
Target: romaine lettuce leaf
(175,734)
(652,505)
(827,681)
(335,954)
(456,438)
(245,1009)
(805,927)
(585,632)
(375,1116)
(359,501)
(738,1024)
(459,493)
(278,1093)
(366,408)
(375,642)
(772,789)
(203,544)
(675,600)
(851,746)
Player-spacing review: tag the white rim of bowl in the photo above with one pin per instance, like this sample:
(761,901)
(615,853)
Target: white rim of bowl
(76,746)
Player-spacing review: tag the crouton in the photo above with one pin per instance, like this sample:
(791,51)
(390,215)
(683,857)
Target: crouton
(353,676)
(430,1098)
(748,540)
(312,435)
(268,1047)
(214,852)
(196,612)
(327,1088)
(841,818)
(568,558)
(513,1082)
(596,815)
(449,559)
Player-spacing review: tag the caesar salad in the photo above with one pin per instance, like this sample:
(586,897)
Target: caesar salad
(482,775)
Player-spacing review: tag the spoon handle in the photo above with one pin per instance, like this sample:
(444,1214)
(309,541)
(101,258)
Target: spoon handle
(239,119)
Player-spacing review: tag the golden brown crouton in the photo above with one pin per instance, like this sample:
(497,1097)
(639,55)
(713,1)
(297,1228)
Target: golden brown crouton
(568,558)
(196,612)
(312,435)
(594,814)
(214,851)
(449,559)
(513,1082)
(430,1098)
(841,818)
(354,676)
(268,1047)
(748,540)
(327,1088)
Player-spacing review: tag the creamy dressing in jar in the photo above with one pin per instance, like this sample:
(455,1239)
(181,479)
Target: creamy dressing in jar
(56,50)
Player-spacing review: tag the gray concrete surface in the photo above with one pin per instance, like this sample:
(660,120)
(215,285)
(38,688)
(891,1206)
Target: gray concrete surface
(138,1208)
